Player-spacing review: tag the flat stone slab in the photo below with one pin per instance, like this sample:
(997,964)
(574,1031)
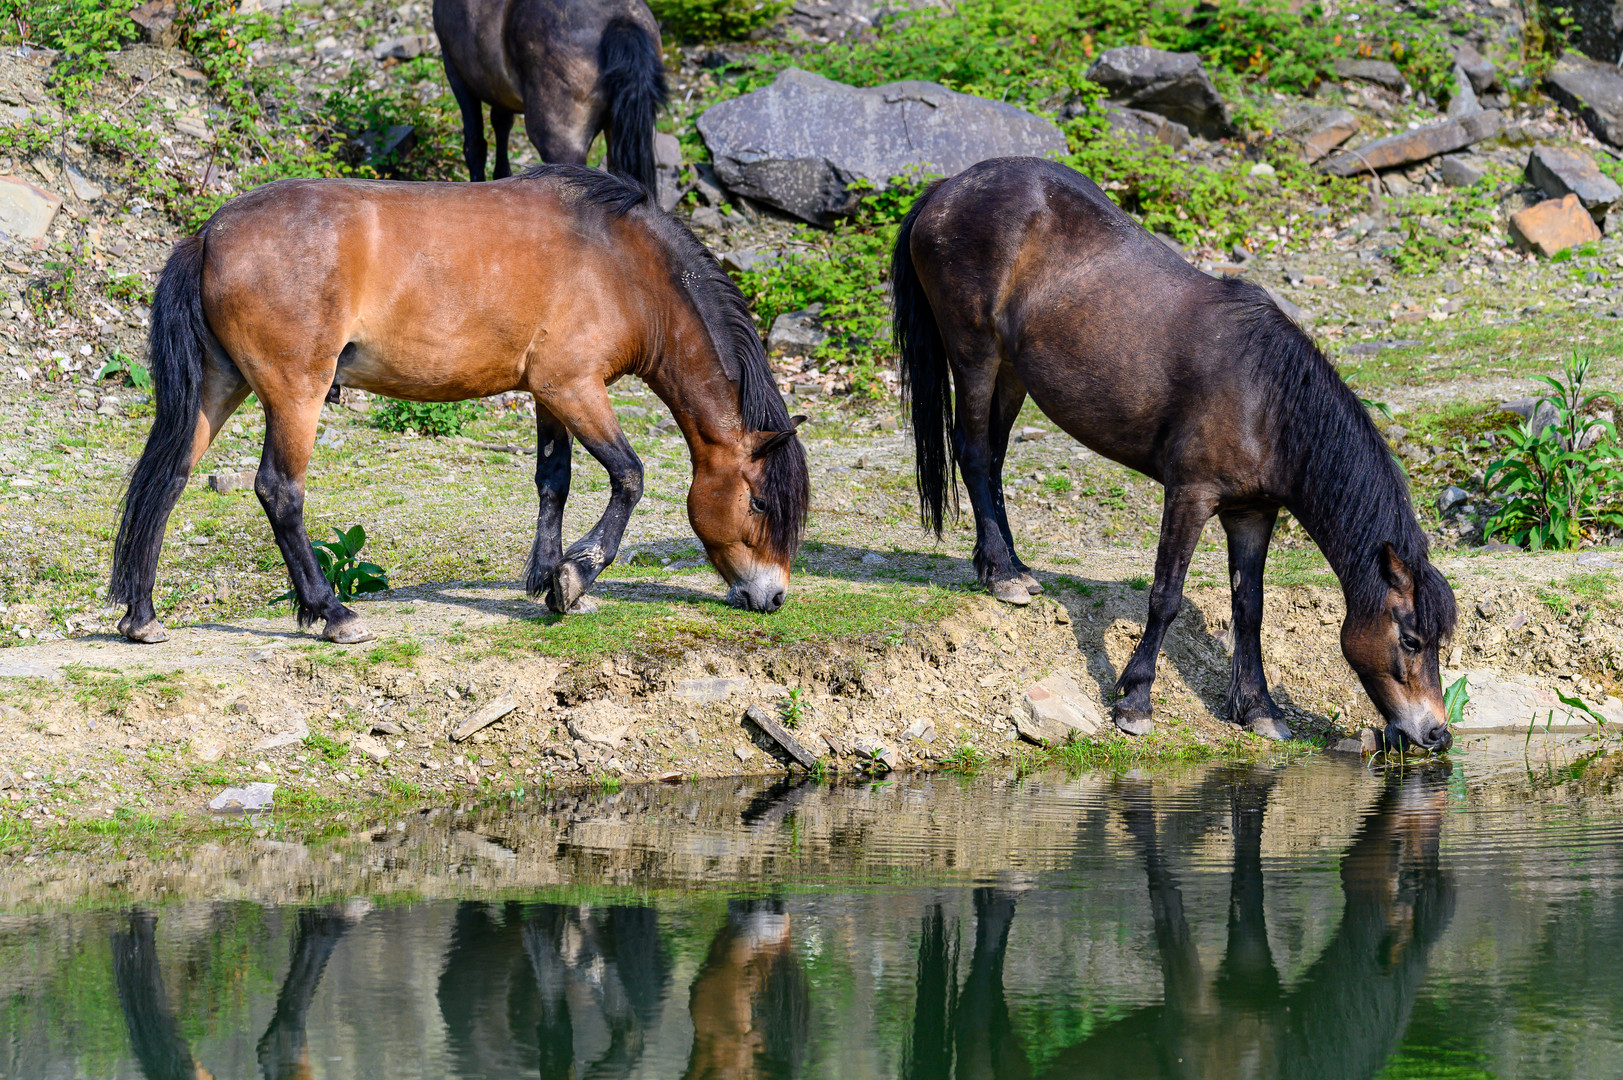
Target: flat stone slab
(1591,89)
(295,734)
(487,715)
(1380,72)
(780,735)
(1553,225)
(244,799)
(26,210)
(1408,147)
(1170,84)
(1559,171)
(1318,131)
(1057,708)
(802,142)
(1146,126)
(1512,703)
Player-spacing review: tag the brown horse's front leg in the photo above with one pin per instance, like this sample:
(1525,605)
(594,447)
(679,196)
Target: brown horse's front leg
(1249,705)
(552,470)
(1184,514)
(587,557)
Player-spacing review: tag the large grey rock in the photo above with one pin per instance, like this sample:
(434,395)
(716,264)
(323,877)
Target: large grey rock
(1145,126)
(26,210)
(1457,172)
(1173,85)
(1380,72)
(801,143)
(796,333)
(1463,102)
(247,799)
(1597,27)
(1056,709)
(1318,131)
(1513,703)
(1558,171)
(1591,89)
(1408,147)
(1483,75)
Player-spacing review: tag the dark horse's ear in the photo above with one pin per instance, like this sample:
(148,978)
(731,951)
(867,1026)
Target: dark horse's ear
(779,438)
(1396,571)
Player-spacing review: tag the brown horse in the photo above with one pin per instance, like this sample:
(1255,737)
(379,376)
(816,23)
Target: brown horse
(557,282)
(1020,275)
(572,67)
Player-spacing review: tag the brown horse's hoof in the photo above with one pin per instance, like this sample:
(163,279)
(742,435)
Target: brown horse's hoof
(584,606)
(351,631)
(1270,727)
(149,634)
(1011,592)
(1133,721)
(1033,586)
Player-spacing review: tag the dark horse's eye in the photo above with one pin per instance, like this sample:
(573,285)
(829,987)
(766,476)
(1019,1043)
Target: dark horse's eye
(757,505)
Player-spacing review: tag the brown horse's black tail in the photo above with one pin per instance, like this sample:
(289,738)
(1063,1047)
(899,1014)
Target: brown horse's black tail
(926,379)
(633,79)
(176,346)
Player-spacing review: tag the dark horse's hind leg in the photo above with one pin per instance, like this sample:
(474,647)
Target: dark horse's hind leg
(973,437)
(599,432)
(552,467)
(501,123)
(474,147)
(290,435)
(1184,514)
(1007,397)
(1249,704)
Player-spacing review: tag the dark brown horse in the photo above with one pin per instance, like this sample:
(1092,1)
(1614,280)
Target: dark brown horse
(572,67)
(1019,275)
(558,282)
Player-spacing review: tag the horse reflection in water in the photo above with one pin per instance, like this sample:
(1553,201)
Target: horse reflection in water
(577,992)
(156,1037)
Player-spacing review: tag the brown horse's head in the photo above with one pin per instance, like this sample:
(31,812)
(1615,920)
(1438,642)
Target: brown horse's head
(1393,647)
(748,507)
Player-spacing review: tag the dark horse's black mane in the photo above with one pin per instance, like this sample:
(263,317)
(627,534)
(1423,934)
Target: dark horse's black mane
(1347,473)
(786,483)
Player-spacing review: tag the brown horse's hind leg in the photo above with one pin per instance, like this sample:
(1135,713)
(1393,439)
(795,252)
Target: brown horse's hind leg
(1183,517)
(290,435)
(1007,397)
(1249,703)
(973,436)
(223,390)
(552,468)
(592,421)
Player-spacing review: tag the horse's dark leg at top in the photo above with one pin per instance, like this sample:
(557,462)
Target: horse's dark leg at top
(552,454)
(474,147)
(557,135)
(1007,397)
(501,122)
(976,389)
(1249,705)
(1184,514)
(600,434)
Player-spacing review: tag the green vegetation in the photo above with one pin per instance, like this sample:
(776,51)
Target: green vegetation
(119,364)
(793,708)
(438,419)
(1559,481)
(705,20)
(341,565)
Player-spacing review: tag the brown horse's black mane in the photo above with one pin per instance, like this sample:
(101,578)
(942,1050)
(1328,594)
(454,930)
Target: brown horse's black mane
(1349,491)
(786,483)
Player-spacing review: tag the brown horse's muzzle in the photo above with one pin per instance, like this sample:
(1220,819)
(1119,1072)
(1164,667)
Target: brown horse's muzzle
(763,588)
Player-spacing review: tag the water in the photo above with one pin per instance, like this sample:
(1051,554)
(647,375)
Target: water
(1312,920)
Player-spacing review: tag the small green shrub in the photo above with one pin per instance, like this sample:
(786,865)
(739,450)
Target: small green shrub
(342,567)
(709,20)
(327,746)
(1562,482)
(133,370)
(128,288)
(437,419)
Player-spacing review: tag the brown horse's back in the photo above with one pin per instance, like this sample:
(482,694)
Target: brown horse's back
(1112,334)
(375,285)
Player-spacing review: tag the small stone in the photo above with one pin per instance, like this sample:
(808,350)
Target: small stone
(874,752)
(1593,90)
(486,716)
(1594,560)
(1408,147)
(156,21)
(83,188)
(1169,84)
(889,423)
(870,558)
(210,750)
(690,737)
(26,210)
(190,76)
(1056,708)
(232,481)
(1553,226)
(1262,168)
(1451,497)
(743,753)
(1032,434)
(257,796)
(796,333)
(1347,746)
(408,47)
(385,727)
(922,729)
(1369,740)
(1458,173)
(292,736)
(672,777)
(371,747)
(1318,131)
(602,722)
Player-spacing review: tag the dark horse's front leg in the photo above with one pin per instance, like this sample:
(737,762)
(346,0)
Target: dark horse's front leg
(599,432)
(1249,705)
(1184,513)
(977,413)
(1007,397)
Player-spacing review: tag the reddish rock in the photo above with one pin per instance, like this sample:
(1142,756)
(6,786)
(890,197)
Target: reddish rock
(1553,225)
(156,21)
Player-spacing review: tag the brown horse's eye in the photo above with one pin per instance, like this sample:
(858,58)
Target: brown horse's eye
(1410,644)
(757,505)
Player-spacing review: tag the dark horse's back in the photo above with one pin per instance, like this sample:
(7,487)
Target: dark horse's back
(1130,349)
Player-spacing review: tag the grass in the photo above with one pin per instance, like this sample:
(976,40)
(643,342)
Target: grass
(1170,744)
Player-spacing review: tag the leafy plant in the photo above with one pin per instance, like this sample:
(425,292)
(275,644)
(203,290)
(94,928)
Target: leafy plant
(706,20)
(128,288)
(1455,698)
(433,418)
(342,567)
(1559,481)
(965,759)
(327,746)
(794,708)
(120,364)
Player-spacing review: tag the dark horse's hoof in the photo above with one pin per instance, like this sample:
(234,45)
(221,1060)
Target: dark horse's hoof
(149,633)
(1011,592)
(1270,727)
(1033,586)
(1133,721)
(566,589)
(350,631)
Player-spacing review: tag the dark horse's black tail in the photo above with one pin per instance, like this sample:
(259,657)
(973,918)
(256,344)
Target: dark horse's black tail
(633,80)
(176,345)
(926,379)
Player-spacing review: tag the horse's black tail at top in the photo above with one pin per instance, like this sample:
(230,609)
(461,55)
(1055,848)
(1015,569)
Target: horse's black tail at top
(176,345)
(926,380)
(633,80)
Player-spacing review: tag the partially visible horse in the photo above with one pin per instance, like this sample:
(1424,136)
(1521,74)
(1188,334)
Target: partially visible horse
(1019,275)
(572,67)
(558,282)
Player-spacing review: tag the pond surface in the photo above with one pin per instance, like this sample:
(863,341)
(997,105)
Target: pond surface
(1310,920)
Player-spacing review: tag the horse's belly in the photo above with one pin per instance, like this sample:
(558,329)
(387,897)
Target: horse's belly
(427,374)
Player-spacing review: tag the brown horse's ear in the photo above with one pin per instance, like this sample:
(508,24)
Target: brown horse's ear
(778,439)
(1396,571)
